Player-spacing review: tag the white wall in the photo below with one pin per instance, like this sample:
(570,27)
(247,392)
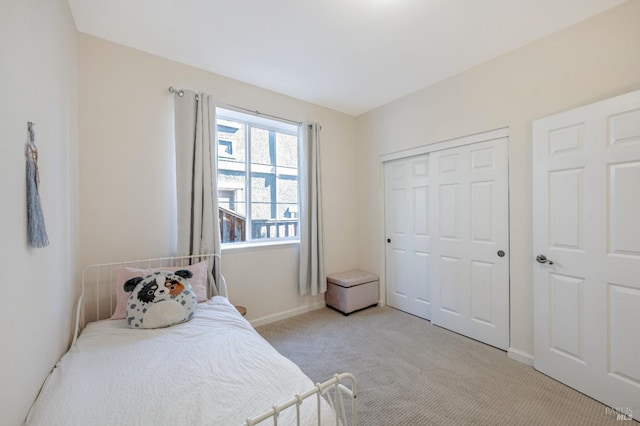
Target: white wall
(38,53)
(127,189)
(592,60)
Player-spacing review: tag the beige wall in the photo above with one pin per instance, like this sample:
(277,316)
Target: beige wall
(592,60)
(125,184)
(38,52)
(127,189)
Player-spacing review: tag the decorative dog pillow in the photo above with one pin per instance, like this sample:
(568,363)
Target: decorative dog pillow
(160,299)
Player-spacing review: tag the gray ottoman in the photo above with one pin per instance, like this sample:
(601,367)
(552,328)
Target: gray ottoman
(351,291)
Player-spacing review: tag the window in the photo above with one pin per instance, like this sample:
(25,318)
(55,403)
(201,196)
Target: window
(257,178)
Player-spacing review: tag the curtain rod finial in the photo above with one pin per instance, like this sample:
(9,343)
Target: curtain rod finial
(179,92)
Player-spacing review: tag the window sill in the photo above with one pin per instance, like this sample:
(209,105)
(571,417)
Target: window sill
(271,245)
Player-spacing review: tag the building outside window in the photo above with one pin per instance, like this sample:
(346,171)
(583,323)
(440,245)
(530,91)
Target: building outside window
(257,178)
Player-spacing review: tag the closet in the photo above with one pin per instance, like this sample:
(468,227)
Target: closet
(446,225)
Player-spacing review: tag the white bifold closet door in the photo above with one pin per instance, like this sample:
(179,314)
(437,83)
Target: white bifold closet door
(586,236)
(447,238)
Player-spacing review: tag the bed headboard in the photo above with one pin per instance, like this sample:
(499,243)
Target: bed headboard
(98,293)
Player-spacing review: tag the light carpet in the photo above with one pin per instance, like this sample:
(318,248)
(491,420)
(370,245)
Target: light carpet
(410,372)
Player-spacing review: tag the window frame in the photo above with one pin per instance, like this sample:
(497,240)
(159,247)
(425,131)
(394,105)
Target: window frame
(251,121)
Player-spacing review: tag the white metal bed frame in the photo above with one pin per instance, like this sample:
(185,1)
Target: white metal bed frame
(99,279)
(336,400)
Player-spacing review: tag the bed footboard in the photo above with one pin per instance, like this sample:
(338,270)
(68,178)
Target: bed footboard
(339,396)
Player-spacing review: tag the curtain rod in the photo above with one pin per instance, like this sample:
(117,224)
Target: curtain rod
(180,93)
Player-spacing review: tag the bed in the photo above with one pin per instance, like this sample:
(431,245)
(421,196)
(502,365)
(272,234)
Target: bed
(214,369)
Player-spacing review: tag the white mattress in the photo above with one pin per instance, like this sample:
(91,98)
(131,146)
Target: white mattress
(212,370)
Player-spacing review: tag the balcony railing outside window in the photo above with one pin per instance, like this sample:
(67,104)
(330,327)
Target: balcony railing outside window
(233,227)
(272,228)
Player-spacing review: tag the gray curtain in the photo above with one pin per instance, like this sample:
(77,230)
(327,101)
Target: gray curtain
(197,179)
(312,275)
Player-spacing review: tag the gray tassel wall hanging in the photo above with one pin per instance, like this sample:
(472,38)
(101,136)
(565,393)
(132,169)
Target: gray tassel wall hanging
(36,231)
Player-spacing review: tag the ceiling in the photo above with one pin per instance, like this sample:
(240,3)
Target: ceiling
(347,55)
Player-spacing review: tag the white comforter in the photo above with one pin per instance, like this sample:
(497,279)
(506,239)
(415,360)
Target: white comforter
(212,370)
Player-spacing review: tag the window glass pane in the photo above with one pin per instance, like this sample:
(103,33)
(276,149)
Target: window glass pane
(261,147)
(233,227)
(231,141)
(261,211)
(287,189)
(262,222)
(225,149)
(232,199)
(287,211)
(262,195)
(286,150)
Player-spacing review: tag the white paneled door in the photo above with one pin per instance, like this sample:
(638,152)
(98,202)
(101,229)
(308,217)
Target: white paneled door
(447,238)
(470,271)
(586,183)
(408,240)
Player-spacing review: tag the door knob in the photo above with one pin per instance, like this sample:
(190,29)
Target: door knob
(541,258)
(501,253)
(388,240)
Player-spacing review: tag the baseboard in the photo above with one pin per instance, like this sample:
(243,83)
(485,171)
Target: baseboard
(286,314)
(521,356)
